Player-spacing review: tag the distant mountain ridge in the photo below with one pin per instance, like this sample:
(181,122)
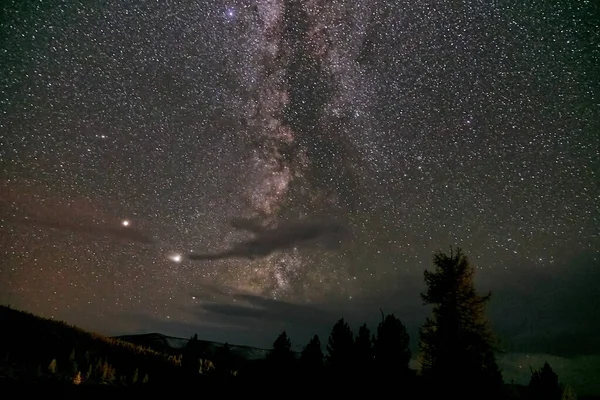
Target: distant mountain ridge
(174,345)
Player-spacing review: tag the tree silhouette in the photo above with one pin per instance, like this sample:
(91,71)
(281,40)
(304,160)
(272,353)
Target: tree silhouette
(281,359)
(456,345)
(544,384)
(311,358)
(363,349)
(224,360)
(190,359)
(281,355)
(392,353)
(340,349)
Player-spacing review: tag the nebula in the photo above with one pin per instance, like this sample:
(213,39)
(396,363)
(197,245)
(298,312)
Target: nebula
(299,86)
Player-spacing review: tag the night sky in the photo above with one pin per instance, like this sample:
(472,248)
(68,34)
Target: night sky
(133,132)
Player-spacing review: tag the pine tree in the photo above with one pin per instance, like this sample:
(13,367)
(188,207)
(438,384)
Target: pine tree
(190,360)
(363,348)
(108,373)
(456,345)
(77,378)
(225,362)
(568,393)
(135,377)
(207,366)
(145,380)
(88,374)
(52,367)
(544,384)
(73,363)
(392,353)
(112,374)
(99,372)
(281,355)
(340,349)
(311,358)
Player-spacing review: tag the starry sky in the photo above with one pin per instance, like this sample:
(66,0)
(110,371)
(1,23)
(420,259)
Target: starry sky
(133,132)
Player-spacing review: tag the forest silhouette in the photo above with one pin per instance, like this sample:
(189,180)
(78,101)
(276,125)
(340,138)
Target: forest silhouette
(456,356)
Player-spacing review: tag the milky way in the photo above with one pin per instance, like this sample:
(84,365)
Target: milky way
(418,124)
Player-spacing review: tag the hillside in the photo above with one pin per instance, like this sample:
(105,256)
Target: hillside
(34,349)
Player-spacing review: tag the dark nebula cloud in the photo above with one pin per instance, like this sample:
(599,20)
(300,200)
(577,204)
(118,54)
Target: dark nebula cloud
(285,235)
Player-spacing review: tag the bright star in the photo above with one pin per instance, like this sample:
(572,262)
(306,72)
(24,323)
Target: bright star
(125,223)
(176,258)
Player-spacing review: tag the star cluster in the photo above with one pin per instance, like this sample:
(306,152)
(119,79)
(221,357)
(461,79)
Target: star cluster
(419,124)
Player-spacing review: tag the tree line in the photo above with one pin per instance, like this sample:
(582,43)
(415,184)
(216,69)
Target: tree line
(456,353)
(456,349)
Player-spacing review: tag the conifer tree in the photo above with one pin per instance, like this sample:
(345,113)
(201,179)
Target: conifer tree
(311,358)
(225,362)
(340,349)
(544,384)
(392,353)
(190,360)
(99,372)
(52,367)
(456,345)
(281,355)
(363,348)
(112,374)
(568,393)
(77,379)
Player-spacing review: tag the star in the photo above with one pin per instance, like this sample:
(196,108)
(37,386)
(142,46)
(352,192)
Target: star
(176,258)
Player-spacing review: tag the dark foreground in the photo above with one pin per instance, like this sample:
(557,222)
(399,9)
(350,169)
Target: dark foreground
(66,390)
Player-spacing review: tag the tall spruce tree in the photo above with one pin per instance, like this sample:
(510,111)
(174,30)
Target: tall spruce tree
(456,344)
(340,349)
(311,359)
(281,355)
(363,348)
(190,360)
(544,384)
(392,352)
